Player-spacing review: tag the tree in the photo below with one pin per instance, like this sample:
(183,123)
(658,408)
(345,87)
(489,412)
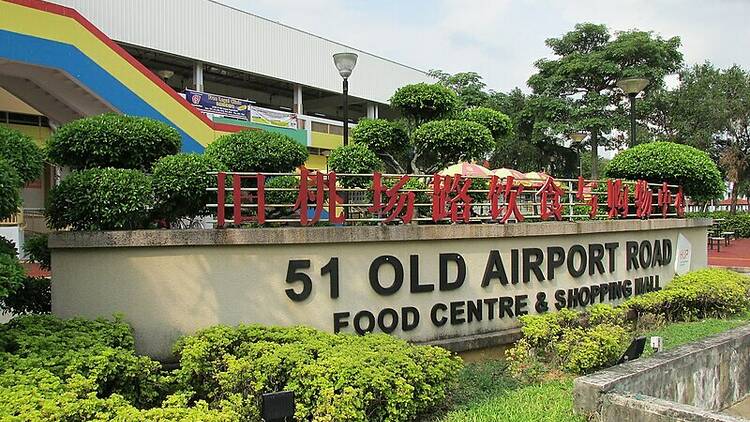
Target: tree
(467,85)
(441,143)
(498,123)
(385,138)
(22,153)
(584,73)
(710,110)
(422,102)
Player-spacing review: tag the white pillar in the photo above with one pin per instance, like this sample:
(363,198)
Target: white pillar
(372,110)
(297,107)
(198,76)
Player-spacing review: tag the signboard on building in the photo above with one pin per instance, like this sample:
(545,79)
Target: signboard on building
(219,105)
(267,116)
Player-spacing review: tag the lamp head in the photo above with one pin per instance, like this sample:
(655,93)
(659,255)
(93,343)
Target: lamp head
(165,74)
(345,63)
(633,85)
(578,136)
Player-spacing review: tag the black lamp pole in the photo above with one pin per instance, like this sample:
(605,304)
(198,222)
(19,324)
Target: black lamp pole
(632,120)
(346,111)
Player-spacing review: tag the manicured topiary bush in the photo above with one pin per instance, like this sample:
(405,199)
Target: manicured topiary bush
(672,163)
(446,142)
(180,182)
(710,292)
(282,197)
(113,140)
(12,274)
(357,159)
(379,135)
(334,377)
(101,199)
(424,102)
(22,153)
(258,150)
(32,296)
(36,249)
(10,193)
(498,123)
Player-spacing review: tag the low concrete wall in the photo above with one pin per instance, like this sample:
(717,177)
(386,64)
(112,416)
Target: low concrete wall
(459,286)
(691,382)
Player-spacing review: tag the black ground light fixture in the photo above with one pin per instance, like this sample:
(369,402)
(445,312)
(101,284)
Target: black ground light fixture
(278,407)
(632,86)
(635,350)
(345,63)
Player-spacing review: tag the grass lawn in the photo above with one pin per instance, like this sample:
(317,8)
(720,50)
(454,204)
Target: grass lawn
(487,393)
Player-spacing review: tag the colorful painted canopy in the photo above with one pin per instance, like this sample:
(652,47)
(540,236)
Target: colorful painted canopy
(465,169)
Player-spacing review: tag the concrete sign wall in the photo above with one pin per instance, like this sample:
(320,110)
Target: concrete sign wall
(423,283)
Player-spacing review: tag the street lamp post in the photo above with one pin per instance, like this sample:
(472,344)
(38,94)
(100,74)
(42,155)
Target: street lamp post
(632,86)
(578,138)
(345,63)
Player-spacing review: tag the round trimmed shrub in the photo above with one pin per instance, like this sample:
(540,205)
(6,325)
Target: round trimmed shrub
(101,199)
(447,142)
(113,140)
(12,274)
(282,197)
(672,163)
(258,150)
(36,249)
(379,135)
(423,102)
(180,182)
(498,123)
(22,153)
(10,189)
(354,158)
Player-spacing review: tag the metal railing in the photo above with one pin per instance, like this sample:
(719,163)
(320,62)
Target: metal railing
(329,198)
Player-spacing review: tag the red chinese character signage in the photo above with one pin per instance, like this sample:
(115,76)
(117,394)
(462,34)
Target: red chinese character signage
(318,199)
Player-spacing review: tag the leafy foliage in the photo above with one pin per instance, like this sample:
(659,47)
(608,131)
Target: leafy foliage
(101,199)
(710,292)
(112,140)
(7,247)
(32,296)
(180,182)
(10,194)
(498,123)
(424,102)
(672,163)
(385,138)
(445,142)
(36,249)
(12,274)
(467,85)
(354,158)
(282,197)
(22,153)
(334,377)
(257,150)
(738,223)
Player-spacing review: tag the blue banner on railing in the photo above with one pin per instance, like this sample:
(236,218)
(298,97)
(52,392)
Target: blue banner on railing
(219,105)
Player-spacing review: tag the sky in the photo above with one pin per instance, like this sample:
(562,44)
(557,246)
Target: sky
(502,39)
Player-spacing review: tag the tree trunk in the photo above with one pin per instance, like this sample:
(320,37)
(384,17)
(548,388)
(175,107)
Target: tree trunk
(733,196)
(594,155)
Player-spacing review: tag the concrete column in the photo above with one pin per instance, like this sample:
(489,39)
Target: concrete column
(198,76)
(297,107)
(372,110)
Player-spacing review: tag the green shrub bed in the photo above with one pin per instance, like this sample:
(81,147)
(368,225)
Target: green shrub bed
(79,370)
(581,342)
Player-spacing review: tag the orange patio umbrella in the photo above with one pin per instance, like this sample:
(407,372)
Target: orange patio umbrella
(465,169)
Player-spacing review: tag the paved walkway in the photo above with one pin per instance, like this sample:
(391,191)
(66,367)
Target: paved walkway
(736,255)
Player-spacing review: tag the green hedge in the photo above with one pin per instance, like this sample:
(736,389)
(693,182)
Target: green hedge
(357,159)
(101,199)
(22,153)
(258,150)
(447,142)
(334,377)
(423,102)
(498,123)
(710,292)
(672,163)
(113,140)
(739,223)
(180,182)
(79,370)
